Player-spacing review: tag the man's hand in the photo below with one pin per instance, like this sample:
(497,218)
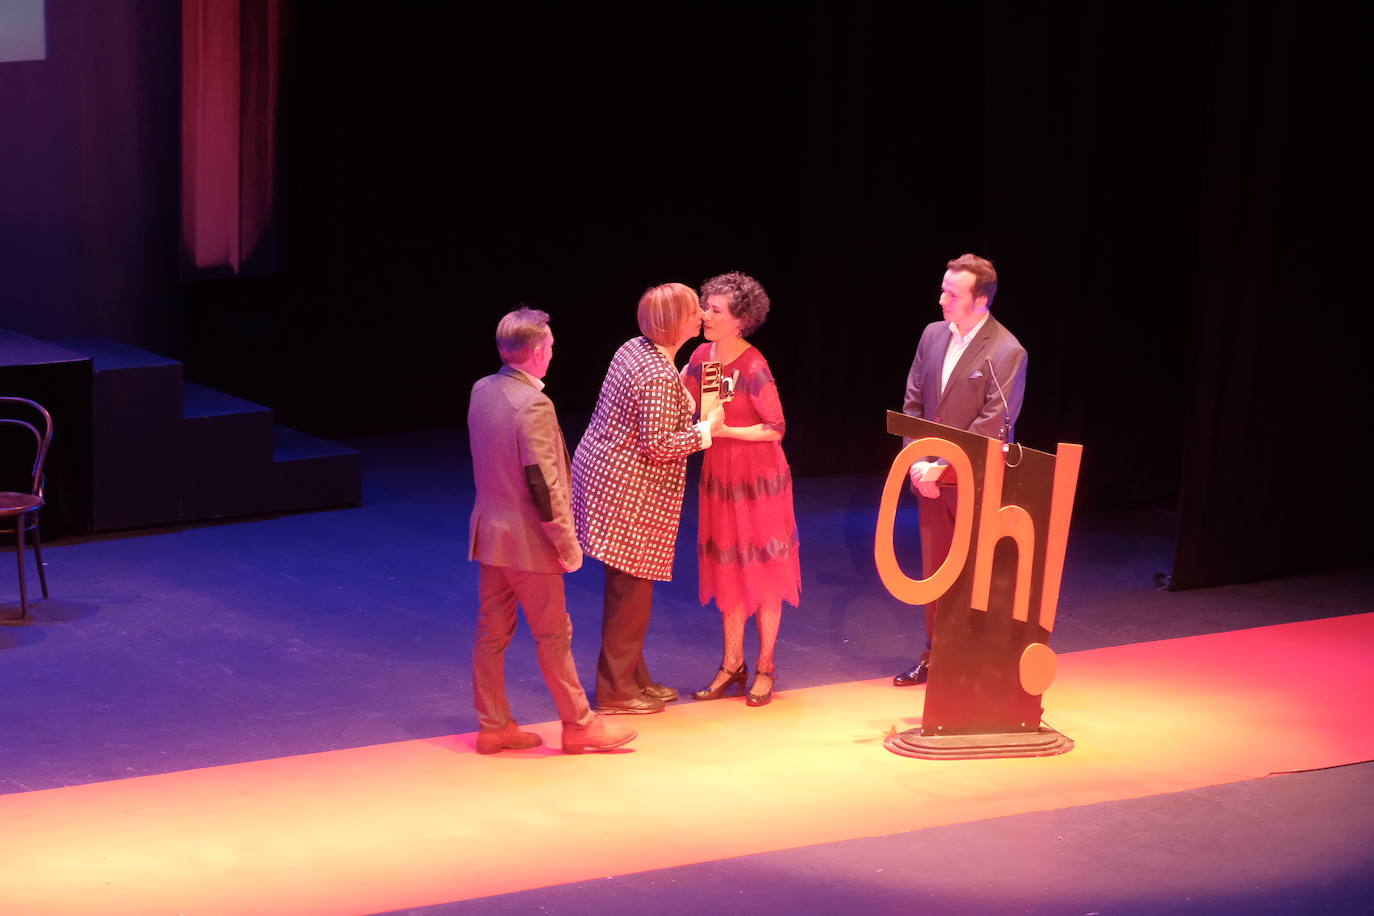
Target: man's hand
(926,488)
(572,567)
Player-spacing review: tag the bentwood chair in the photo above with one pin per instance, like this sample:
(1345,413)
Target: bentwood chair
(26,420)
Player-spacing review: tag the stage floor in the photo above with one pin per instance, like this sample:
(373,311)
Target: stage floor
(419,822)
(249,703)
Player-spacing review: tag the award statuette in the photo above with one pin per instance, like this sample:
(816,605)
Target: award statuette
(716,387)
(710,386)
(727,387)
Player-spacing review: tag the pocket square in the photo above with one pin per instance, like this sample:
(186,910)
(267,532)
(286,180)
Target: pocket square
(977,373)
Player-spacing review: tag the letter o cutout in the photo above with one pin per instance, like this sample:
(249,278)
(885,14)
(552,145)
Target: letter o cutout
(899,584)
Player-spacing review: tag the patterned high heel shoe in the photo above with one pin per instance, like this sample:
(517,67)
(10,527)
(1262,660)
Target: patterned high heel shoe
(739,676)
(762,699)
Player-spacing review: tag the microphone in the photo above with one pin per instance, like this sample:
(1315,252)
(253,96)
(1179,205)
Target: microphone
(1006,408)
(1006,417)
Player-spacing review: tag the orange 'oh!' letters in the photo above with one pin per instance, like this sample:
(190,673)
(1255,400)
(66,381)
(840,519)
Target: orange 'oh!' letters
(903,587)
(990,662)
(995,521)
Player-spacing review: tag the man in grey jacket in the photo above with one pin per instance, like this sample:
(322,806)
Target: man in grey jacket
(522,534)
(969,373)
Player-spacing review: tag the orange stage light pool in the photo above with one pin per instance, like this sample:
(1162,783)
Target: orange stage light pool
(419,822)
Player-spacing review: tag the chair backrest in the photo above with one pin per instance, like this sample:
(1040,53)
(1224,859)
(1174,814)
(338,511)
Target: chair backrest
(42,433)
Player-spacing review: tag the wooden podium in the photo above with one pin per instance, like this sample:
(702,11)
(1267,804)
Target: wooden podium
(998,590)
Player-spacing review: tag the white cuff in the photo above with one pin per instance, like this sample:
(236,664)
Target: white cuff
(704,427)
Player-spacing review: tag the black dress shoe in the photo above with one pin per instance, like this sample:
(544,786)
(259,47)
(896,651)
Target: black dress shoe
(739,676)
(659,692)
(917,675)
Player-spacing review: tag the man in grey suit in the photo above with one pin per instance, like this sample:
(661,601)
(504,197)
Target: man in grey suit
(969,373)
(522,535)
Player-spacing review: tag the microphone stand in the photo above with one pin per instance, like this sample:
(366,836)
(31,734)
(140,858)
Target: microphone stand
(1006,419)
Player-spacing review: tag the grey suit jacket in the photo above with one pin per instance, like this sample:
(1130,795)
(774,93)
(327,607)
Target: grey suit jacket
(523,515)
(970,401)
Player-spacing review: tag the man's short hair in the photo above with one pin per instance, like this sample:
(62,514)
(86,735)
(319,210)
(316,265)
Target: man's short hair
(519,332)
(662,310)
(984,274)
(748,301)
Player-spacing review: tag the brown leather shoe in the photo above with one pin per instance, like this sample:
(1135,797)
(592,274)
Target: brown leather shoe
(641,705)
(659,692)
(596,735)
(508,738)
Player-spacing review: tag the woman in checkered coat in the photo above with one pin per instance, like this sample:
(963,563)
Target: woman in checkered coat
(629,474)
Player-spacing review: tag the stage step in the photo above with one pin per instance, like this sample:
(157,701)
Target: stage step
(167,451)
(60,380)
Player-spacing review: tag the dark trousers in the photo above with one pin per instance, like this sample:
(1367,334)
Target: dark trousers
(620,671)
(937,533)
(499,590)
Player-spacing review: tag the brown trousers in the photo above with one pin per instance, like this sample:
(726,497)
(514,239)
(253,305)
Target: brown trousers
(499,590)
(937,533)
(620,671)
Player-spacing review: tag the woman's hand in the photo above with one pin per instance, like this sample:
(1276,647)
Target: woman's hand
(716,417)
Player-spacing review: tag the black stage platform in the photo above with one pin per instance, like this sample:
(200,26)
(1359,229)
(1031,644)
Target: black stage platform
(137,445)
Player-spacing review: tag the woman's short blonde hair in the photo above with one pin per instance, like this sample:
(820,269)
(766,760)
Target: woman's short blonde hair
(662,310)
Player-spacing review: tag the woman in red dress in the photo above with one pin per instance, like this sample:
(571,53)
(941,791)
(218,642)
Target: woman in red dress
(747,539)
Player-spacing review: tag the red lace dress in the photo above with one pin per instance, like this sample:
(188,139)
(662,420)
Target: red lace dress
(747,549)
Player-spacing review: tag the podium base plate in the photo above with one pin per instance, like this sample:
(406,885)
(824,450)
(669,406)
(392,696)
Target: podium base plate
(1043,743)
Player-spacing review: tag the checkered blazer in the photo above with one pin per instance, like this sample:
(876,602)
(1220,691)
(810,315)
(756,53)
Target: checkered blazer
(630,469)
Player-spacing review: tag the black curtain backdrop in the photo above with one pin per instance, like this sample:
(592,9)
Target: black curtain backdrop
(1278,411)
(1173,193)
(443,164)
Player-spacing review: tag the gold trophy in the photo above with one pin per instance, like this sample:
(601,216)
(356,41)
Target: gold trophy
(716,386)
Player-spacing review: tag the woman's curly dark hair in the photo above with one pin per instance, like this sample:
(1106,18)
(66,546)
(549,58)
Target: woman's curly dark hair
(748,301)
